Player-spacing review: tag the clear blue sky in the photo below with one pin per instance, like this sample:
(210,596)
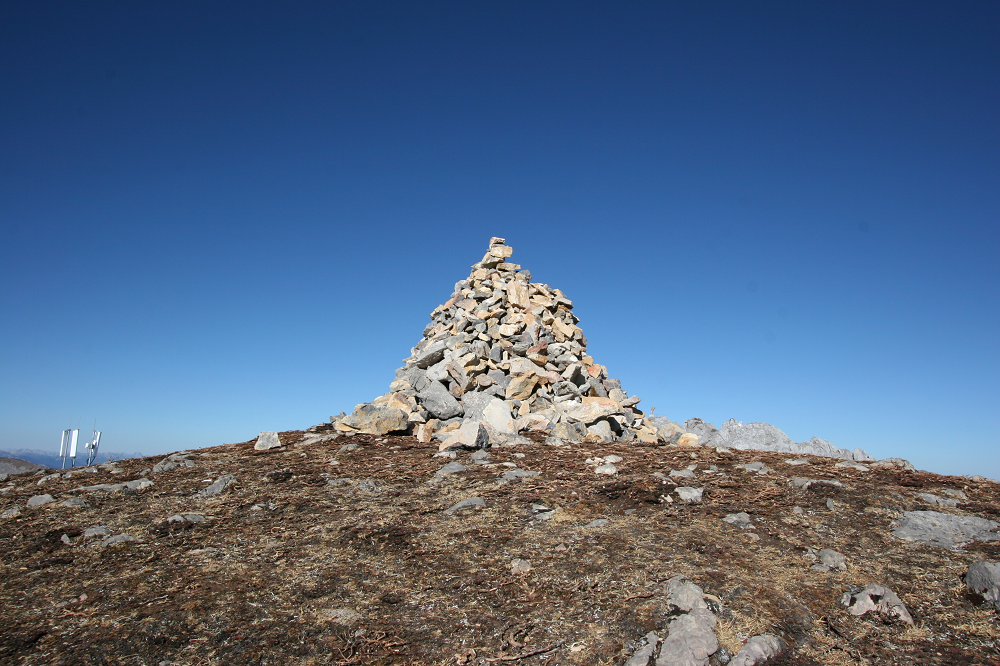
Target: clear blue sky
(221,218)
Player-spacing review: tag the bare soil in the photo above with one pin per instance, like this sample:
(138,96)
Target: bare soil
(289,568)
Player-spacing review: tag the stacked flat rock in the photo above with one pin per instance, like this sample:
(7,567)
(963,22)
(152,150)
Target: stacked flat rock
(503,355)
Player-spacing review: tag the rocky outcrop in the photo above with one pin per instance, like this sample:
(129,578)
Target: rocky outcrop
(765,437)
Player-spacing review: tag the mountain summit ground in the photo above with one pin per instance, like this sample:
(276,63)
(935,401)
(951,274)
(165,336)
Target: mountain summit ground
(374,550)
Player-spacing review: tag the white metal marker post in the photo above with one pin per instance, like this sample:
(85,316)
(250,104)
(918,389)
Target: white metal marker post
(72,447)
(64,446)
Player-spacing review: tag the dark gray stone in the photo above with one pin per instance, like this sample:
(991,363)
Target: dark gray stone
(217,487)
(436,399)
(451,468)
(644,653)
(118,538)
(705,431)
(431,354)
(96,531)
(984,577)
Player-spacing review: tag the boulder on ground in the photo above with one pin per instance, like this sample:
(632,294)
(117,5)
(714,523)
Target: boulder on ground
(877,598)
(265,441)
(984,577)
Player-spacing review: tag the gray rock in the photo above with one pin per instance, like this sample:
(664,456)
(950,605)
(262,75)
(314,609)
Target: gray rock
(758,650)
(436,399)
(599,522)
(607,468)
(683,595)
(137,485)
(945,529)
(984,577)
(691,640)
(466,504)
(798,461)
(347,448)
(894,462)
(321,439)
(265,441)
(75,502)
(217,487)
(96,531)
(431,354)
(937,501)
(480,456)
(475,403)
(12,512)
(879,599)
(689,495)
(570,432)
(860,455)
(766,437)
(850,464)
(40,500)
(832,560)
(644,653)
(706,432)
(756,466)
(118,538)
(49,477)
(472,435)
(451,468)
(681,474)
(806,484)
(339,482)
(436,373)
(168,465)
(601,430)
(512,474)
(741,520)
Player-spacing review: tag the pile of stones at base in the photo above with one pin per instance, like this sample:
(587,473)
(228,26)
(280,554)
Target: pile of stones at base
(502,356)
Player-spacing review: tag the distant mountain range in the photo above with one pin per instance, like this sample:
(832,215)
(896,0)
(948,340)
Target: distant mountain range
(53,461)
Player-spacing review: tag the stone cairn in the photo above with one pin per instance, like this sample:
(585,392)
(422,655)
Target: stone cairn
(502,356)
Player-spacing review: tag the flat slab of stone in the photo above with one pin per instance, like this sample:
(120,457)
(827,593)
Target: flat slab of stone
(945,529)
(217,487)
(466,504)
(40,500)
